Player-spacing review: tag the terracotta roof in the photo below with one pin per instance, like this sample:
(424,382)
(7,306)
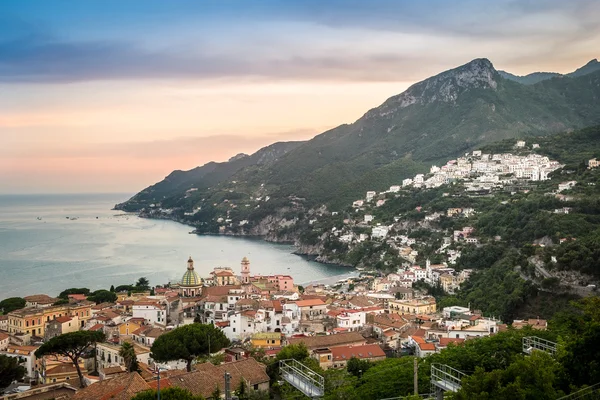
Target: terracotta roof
(63,368)
(96,327)
(117,369)
(365,351)
(64,319)
(3,336)
(340,339)
(41,298)
(208,376)
(164,383)
(121,387)
(311,302)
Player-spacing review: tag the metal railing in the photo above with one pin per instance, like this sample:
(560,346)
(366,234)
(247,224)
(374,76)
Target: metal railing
(531,343)
(446,378)
(302,378)
(588,393)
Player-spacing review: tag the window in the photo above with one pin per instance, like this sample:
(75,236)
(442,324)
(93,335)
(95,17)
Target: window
(234,329)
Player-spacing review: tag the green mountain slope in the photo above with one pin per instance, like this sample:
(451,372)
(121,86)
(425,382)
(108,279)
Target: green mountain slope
(202,178)
(536,77)
(431,121)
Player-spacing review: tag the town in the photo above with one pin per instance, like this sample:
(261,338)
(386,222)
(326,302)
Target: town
(363,318)
(249,323)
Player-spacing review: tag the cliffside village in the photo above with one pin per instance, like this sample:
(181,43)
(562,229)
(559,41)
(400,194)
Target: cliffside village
(369,318)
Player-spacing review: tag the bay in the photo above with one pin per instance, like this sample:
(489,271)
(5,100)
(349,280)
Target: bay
(52,242)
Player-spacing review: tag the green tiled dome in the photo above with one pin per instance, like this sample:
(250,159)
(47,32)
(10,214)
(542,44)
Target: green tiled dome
(190,278)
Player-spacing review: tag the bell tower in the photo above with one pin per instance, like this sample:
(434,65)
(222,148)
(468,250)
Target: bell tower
(245,271)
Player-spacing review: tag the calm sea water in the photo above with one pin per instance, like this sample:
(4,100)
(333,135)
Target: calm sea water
(43,250)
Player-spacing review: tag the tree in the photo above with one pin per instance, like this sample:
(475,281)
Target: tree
(358,367)
(188,342)
(143,283)
(216,394)
(242,390)
(127,351)
(11,304)
(103,296)
(112,288)
(172,393)
(72,345)
(10,370)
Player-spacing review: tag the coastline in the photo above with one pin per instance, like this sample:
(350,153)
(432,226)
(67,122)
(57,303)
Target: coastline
(309,254)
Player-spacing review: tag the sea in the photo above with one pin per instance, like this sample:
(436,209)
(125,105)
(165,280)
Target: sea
(49,243)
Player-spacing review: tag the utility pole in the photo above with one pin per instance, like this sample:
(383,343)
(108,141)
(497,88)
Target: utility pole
(416,377)
(227,386)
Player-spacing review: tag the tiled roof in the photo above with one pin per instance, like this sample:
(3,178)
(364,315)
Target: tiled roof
(340,339)
(41,298)
(96,327)
(64,319)
(365,351)
(3,336)
(63,368)
(208,376)
(121,387)
(311,302)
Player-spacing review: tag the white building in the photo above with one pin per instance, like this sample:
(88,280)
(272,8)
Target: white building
(368,218)
(370,195)
(151,311)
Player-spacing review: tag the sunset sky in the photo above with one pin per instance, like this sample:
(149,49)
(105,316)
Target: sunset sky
(111,96)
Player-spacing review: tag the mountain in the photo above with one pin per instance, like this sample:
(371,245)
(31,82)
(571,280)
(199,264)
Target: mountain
(529,79)
(433,120)
(202,178)
(588,68)
(536,77)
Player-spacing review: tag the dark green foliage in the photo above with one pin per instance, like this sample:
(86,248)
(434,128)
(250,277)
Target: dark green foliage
(127,351)
(60,302)
(188,342)
(112,288)
(10,370)
(11,304)
(72,345)
(103,296)
(172,393)
(143,284)
(358,367)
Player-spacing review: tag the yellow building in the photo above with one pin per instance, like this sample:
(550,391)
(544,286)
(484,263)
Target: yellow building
(32,320)
(266,339)
(127,328)
(415,306)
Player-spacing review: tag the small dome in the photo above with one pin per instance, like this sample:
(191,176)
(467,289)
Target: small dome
(191,278)
(245,260)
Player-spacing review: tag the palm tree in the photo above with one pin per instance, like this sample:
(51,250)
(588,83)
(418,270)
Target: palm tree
(127,351)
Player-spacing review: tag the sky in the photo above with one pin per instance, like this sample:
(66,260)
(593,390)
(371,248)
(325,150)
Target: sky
(112,95)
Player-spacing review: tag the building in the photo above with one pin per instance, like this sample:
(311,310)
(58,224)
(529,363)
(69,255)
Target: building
(4,340)
(312,309)
(414,306)
(61,325)
(223,277)
(422,347)
(151,310)
(593,163)
(27,356)
(40,300)
(245,271)
(266,339)
(32,320)
(207,377)
(191,284)
(329,341)
(351,320)
(338,357)
(121,387)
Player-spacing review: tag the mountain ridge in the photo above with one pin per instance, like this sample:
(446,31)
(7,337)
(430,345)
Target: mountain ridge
(437,118)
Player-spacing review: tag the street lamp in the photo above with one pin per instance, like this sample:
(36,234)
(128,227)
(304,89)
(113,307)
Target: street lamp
(157,369)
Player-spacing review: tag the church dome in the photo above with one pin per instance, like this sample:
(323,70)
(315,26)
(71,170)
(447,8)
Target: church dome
(191,278)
